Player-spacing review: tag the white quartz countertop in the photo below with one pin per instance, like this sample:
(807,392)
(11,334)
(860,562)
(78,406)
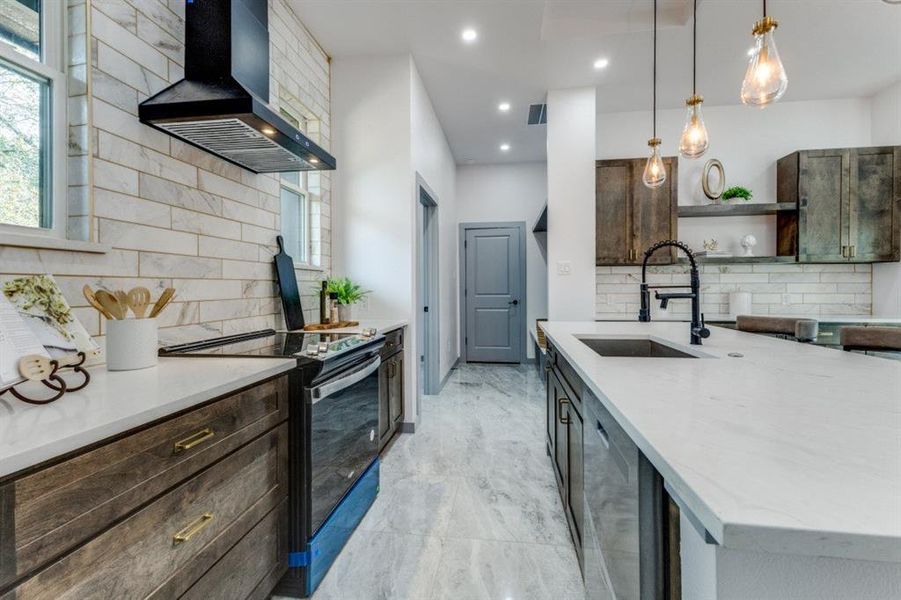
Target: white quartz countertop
(710,317)
(792,448)
(115,402)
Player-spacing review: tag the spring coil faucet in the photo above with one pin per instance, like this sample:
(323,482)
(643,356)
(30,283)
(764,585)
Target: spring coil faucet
(698,329)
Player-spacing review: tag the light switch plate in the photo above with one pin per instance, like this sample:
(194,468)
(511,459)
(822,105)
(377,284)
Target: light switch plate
(564,267)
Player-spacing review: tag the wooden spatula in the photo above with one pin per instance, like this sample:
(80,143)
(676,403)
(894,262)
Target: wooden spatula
(92,300)
(138,301)
(110,303)
(35,367)
(162,301)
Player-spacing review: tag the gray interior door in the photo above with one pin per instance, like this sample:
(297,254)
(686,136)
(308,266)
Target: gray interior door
(494,294)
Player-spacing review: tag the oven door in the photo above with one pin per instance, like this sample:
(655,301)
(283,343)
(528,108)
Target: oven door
(344,428)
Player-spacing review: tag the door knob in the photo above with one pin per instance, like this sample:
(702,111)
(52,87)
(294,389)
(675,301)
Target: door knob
(514,302)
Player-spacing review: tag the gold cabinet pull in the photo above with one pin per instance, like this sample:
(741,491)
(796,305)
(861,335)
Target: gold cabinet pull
(192,529)
(193,440)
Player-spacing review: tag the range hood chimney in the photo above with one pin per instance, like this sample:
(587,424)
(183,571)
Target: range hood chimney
(221,104)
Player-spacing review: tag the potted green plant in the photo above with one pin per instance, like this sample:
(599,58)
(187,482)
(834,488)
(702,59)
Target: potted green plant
(737,192)
(347,293)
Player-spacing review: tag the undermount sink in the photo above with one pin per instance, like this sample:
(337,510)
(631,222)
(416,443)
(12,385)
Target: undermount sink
(633,348)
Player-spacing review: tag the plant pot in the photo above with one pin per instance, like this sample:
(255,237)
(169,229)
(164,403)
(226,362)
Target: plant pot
(344,312)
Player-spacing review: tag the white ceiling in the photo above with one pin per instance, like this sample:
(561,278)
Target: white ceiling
(830,48)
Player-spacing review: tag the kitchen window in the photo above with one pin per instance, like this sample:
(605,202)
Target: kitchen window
(32,117)
(295,208)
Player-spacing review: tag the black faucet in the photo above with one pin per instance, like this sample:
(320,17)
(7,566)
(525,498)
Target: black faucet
(698,330)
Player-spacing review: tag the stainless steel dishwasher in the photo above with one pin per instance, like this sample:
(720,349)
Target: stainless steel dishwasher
(629,538)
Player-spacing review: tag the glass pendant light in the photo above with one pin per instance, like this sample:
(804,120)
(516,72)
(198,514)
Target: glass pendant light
(654,171)
(765,80)
(694,141)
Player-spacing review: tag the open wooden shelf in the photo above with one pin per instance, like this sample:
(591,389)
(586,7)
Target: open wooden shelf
(739,259)
(736,210)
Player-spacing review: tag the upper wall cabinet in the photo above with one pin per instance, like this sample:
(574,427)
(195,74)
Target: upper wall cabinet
(849,205)
(629,217)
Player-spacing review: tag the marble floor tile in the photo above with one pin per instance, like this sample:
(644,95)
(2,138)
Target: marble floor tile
(483,570)
(468,506)
(376,565)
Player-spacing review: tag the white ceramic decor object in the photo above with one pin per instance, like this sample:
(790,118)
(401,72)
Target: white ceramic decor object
(748,242)
(131,344)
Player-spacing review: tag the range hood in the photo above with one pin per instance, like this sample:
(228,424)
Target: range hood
(221,104)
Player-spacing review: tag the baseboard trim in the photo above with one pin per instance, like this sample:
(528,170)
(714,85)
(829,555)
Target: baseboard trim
(448,374)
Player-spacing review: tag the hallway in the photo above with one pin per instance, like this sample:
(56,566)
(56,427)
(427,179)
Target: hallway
(468,508)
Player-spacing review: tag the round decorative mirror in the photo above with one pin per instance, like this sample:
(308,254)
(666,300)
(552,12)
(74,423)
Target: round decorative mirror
(713,189)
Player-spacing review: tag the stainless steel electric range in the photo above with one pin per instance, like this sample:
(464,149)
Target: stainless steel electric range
(333,438)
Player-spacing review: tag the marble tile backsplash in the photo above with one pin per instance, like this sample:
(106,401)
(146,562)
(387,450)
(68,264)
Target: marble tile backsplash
(775,288)
(173,214)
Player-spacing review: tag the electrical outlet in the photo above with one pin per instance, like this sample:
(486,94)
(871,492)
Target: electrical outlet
(564,267)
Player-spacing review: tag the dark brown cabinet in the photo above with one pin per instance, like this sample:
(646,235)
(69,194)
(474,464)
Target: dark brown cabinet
(629,217)
(849,205)
(391,387)
(180,503)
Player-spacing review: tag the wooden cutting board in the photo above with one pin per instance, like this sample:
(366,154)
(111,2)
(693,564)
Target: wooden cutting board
(287,287)
(327,326)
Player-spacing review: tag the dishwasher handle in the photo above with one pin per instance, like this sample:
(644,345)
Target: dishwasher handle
(342,383)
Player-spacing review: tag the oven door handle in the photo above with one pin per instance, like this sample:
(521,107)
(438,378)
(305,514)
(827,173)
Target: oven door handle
(333,387)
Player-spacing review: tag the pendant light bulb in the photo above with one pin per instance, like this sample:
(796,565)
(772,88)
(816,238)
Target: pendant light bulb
(654,171)
(694,141)
(765,80)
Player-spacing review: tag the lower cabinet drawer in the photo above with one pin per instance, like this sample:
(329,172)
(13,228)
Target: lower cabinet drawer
(253,567)
(393,340)
(59,507)
(161,550)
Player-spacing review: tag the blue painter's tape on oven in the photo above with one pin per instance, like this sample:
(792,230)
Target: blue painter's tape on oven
(325,546)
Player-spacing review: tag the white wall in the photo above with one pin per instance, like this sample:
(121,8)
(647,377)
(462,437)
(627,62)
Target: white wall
(748,142)
(886,128)
(433,161)
(385,132)
(511,192)
(372,209)
(571,199)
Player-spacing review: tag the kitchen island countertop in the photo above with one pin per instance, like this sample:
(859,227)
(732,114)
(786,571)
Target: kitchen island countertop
(789,448)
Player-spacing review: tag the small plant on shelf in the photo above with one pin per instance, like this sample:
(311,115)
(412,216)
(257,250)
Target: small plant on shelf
(738,192)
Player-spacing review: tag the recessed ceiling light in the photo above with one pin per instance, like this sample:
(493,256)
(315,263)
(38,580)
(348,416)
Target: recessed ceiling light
(601,63)
(503,106)
(505,147)
(469,35)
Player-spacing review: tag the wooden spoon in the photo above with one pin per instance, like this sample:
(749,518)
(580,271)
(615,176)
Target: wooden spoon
(110,303)
(122,297)
(138,301)
(92,300)
(35,367)
(162,302)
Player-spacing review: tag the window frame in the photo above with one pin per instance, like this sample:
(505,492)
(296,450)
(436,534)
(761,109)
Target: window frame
(51,68)
(306,197)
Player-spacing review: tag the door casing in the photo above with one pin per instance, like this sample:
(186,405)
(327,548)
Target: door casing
(464,227)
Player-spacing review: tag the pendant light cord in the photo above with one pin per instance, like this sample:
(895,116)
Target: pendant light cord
(764,9)
(655,70)
(694,53)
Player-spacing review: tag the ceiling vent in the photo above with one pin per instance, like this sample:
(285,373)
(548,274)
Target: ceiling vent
(538,114)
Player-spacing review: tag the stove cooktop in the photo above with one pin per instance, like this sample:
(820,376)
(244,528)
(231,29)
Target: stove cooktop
(306,346)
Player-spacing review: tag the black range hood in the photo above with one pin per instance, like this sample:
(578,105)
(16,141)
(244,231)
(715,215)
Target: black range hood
(221,104)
